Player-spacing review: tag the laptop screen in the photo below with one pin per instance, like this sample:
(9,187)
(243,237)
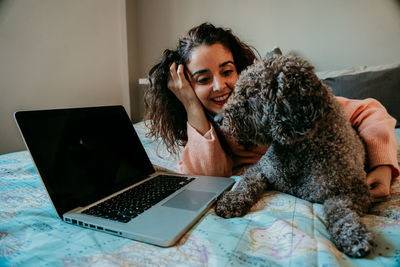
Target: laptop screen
(84,154)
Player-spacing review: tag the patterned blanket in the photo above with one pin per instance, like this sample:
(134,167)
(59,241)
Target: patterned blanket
(281,230)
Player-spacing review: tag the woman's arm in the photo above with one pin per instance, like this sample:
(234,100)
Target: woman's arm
(203,155)
(180,86)
(376,127)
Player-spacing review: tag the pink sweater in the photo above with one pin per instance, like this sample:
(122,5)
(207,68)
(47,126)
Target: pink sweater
(204,155)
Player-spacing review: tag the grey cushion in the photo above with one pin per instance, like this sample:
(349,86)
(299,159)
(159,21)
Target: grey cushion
(382,84)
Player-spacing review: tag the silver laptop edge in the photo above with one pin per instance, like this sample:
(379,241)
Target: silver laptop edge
(167,228)
(165,232)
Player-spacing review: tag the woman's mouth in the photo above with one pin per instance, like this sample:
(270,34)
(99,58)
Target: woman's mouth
(221,100)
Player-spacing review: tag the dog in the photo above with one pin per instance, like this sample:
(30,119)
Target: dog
(314,153)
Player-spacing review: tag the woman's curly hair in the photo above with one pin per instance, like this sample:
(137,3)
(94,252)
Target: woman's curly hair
(164,114)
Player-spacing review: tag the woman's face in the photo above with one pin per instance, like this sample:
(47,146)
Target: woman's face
(212,74)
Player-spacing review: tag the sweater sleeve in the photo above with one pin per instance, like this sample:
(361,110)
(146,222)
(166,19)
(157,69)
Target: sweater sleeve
(203,155)
(376,127)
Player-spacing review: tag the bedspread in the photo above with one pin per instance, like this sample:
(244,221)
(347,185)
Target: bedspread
(281,230)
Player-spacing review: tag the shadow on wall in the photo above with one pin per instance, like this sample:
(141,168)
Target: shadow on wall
(2,6)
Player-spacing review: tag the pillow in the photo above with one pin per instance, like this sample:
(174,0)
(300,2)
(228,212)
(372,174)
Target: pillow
(380,82)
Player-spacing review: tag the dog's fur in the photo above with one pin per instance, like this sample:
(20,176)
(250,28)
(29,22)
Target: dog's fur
(314,152)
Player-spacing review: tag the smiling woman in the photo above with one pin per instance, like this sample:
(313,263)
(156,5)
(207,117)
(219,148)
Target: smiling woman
(189,86)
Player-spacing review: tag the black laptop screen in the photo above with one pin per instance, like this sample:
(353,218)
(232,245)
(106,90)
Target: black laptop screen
(84,154)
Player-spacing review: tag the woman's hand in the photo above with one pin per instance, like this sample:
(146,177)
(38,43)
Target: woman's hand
(181,87)
(379,181)
(183,90)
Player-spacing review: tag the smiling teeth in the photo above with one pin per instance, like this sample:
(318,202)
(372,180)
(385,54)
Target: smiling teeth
(221,98)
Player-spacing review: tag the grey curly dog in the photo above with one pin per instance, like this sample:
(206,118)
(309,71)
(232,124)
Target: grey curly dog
(314,152)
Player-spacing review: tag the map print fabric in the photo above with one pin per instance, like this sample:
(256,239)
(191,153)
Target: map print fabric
(280,230)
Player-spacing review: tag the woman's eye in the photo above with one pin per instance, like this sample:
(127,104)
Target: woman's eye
(203,80)
(227,72)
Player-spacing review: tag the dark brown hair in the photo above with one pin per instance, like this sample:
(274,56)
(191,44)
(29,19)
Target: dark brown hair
(164,114)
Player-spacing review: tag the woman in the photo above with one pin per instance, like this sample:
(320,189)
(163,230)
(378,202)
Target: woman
(191,84)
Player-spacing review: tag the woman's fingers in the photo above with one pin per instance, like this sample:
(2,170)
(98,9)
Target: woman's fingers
(379,181)
(172,71)
(177,79)
(181,73)
(173,78)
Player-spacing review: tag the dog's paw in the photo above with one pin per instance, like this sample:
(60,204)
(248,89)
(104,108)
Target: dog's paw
(359,245)
(231,204)
(352,237)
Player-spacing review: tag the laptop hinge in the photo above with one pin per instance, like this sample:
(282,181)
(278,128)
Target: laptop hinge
(76,210)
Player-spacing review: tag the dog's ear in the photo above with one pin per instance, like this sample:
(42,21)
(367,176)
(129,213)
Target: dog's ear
(298,107)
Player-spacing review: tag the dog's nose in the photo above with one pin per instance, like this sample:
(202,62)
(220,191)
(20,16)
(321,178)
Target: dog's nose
(218,118)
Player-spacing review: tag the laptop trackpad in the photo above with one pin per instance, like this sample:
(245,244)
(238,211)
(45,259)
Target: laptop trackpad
(189,200)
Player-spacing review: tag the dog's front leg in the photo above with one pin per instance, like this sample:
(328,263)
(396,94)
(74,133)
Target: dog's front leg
(349,234)
(238,201)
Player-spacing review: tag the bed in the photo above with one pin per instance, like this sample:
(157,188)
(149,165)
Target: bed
(280,230)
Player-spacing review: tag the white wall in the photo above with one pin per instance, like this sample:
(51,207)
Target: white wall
(60,53)
(67,53)
(331,34)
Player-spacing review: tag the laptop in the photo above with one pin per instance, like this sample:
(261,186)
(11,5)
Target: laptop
(98,175)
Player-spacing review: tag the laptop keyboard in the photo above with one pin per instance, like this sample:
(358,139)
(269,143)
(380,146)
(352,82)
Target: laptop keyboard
(136,200)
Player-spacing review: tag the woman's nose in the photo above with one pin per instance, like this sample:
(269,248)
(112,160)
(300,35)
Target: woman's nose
(219,83)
